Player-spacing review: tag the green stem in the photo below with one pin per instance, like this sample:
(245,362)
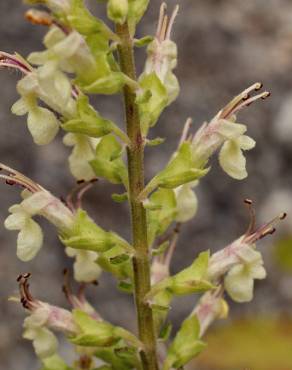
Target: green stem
(141,260)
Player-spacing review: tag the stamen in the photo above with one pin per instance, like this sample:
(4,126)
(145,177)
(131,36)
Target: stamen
(14,61)
(161,19)
(267,229)
(26,298)
(15,177)
(251,226)
(229,109)
(248,102)
(171,22)
(78,192)
(185,131)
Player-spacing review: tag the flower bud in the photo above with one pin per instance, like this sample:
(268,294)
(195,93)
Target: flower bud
(117,10)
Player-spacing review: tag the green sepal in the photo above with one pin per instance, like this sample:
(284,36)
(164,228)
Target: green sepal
(85,234)
(121,258)
(191,280)
(159,219)
(93,333)
(137,8)
(157,99)
(85,23)
(121,271)
(144,41)
(108,162)
(55,363)
(89,121)
(106,85)
(118,358)
(180,170)
(186,344)
(120,198)
(117,10)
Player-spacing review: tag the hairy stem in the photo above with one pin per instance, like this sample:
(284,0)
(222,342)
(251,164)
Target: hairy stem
(141,263)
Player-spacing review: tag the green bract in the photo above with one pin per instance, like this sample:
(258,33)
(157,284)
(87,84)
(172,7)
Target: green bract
(88,121)
(180,170)
(85,234)
(193,279)
(55,363)
(108,161)
(186,344)
(95,333)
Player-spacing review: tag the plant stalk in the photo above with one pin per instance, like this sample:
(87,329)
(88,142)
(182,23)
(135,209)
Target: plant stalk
(135,152)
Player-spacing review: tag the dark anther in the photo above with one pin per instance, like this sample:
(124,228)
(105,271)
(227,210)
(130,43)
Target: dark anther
(248,201)
(266,96)
(94,180)
(10,182)
(259,87)
(247,96)
(26,275)
(283,216)
(80,182)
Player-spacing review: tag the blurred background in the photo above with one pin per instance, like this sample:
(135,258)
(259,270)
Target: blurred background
(224,46)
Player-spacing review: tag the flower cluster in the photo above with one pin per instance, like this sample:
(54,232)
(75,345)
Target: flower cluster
(80,59)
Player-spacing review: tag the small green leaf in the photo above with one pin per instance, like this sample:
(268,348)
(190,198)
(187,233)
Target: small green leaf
(144,41)
(120,198)
(155,142)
